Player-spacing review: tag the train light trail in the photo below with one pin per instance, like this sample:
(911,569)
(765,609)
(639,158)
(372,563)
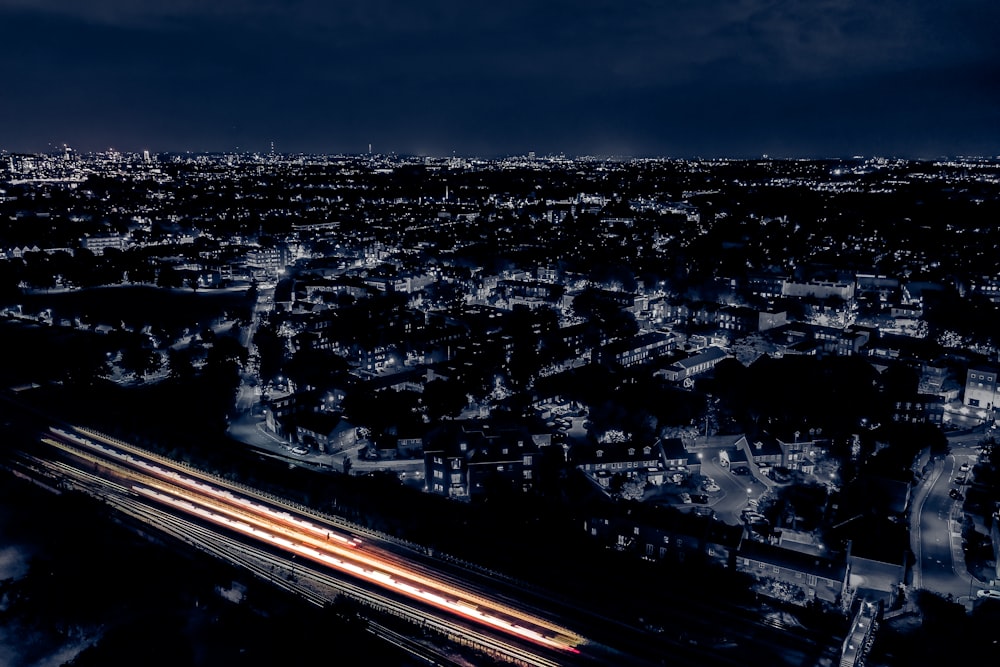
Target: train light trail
(296,534)
(375,576)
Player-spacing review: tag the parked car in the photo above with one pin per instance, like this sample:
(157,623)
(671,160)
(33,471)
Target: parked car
(699,498)
(960,479)
(988,594)
(685,498)
(741,470)
(710,487)
(964,467)
(955,494)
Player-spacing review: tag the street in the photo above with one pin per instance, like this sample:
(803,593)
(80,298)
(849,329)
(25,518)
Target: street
(936,524)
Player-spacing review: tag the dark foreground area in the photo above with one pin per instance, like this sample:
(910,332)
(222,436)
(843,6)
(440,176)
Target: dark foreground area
(79,589)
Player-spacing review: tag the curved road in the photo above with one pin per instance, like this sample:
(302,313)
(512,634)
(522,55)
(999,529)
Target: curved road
(936,526)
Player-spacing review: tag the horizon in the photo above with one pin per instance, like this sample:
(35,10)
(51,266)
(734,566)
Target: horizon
(529,155)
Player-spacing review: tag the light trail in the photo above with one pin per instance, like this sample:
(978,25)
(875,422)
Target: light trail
(381,578)
(317,543)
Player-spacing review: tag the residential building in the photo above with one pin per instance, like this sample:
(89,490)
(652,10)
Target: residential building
(684,370)
(793,575)
(981,387)
(471,458)
(326,432)
(603,461)
(98,243)
(637,350)
(920,409)
(676,537)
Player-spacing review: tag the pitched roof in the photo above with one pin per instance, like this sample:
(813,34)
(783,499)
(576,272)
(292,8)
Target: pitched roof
(710,354)
(834,568)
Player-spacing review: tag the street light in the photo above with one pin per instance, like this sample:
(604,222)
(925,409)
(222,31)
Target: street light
(749,493)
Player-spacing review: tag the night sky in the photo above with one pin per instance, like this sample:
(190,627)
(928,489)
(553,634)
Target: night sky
(676,78)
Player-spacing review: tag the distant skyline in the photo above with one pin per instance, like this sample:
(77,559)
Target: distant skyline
(687,78)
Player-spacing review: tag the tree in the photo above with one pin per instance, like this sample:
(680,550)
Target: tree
(169,277)
(181,363)
(138,359)
(751,348)
(633,489)
(443,398)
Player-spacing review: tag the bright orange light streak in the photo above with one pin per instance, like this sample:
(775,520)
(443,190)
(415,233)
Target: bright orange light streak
(240,522)
(374,576)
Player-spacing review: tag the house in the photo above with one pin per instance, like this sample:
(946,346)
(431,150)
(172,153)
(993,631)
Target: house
(637,350)
(735,455)
(603,461)
(801,454)
(743,320)
(473,457)
(981,387)
(766,286)
(684,370)
(795,575)
(766,451)
(920,409)
(819,289)
(675,537)
(878,580)
(278,406)
(673,454)
(814,339)
(410,379)
(327,432)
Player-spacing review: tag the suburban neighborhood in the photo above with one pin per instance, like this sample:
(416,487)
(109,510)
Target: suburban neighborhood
(769,368)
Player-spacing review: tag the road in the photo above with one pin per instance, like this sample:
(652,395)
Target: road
(249,392)
(936,524)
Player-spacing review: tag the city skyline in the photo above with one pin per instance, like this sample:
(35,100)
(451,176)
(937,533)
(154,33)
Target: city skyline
(719,79)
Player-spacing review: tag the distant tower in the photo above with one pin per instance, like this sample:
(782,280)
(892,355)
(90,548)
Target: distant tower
(369,149)
(272,149)
(145,157)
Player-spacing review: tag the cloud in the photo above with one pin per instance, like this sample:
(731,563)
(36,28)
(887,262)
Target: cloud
(457,73)
(138,13)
